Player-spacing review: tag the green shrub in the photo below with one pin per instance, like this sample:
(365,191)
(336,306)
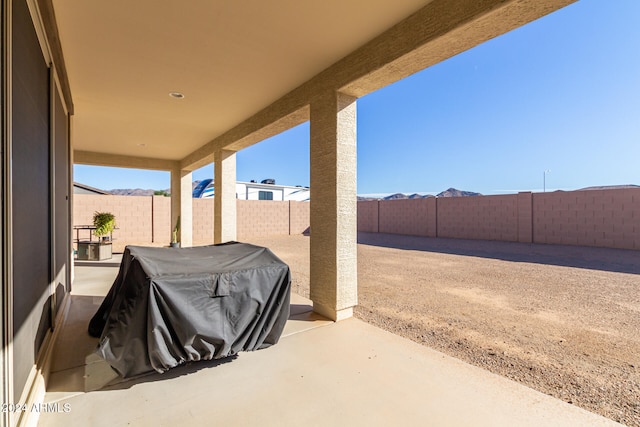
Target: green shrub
(104,222)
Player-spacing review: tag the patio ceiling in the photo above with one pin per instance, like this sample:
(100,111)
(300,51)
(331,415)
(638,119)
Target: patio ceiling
(248,70)
(229,59)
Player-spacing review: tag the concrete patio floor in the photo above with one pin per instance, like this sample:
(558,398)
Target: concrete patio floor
(320,374)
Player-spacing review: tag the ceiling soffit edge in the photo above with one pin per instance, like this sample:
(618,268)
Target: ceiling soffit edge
(115,160)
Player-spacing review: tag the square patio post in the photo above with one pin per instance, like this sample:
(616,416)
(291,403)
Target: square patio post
(182,205)
(224,222)
(333,245)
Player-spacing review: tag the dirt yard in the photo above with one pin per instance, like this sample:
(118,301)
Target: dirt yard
(562,320)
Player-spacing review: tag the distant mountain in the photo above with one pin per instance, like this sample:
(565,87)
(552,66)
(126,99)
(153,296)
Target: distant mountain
(610,187)
(141,192)
(420,196)
(396,196)
(133,192)
(402,196)
(452,192)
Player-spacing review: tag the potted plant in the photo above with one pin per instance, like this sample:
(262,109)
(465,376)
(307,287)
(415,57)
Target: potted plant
(104,223)
(175,243)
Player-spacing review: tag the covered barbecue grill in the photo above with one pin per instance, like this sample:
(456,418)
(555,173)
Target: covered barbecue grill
(170,306)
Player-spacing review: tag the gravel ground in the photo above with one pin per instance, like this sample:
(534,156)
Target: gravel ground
(563,320)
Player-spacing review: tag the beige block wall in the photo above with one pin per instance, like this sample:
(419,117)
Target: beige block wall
(299,217)
(133,217)
(261,218)
(368,216)
(147,220)
(479,217)
(604,218)
(525,217)
(203,216)
(161,214)
(408,216)
(432,217)
(607,218)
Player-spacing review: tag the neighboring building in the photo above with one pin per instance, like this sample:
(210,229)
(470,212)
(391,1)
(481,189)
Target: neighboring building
(265,190)
(85,189)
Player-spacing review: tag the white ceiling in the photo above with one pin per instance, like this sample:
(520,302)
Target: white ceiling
(229,58)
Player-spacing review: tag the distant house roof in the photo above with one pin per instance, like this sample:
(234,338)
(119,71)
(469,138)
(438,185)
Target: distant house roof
(85,189)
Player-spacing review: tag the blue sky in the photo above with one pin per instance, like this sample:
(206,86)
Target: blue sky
(560,94)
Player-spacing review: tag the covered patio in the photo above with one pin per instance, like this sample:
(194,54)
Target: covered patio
(234,94)
(174,87)
(321,373)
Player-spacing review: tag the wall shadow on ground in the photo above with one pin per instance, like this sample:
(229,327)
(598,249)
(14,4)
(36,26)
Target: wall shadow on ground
(593,258)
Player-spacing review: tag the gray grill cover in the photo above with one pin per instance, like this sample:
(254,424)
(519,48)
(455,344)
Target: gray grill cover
(170,306)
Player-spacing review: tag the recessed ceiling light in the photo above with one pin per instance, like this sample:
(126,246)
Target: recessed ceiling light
(176,95)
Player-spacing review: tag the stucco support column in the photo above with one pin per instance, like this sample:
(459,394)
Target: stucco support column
(224,222)
(333,264)
(182,205)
